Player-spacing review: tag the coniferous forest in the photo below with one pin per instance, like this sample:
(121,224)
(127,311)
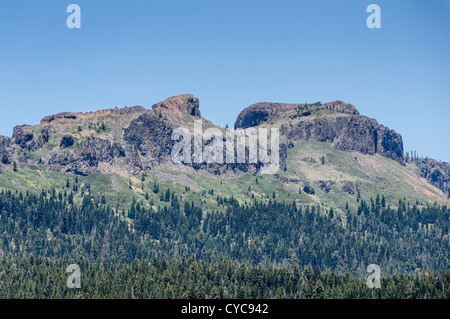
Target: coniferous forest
(254,250)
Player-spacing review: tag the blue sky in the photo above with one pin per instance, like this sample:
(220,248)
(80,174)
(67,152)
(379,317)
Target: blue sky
(231,54)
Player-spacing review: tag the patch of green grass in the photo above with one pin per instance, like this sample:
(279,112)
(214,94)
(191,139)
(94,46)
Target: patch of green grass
(371,174)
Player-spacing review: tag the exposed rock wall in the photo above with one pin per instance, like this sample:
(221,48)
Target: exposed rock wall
(436,173)
(348,133)
(145,141)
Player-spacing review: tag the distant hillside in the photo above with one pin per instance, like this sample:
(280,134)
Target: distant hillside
(329,153)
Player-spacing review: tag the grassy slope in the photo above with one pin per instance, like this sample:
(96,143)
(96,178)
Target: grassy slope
(373,175)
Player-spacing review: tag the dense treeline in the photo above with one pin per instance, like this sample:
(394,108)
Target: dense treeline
(401,240)
(40,278)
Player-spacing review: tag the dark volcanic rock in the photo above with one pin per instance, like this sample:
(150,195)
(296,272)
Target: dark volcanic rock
(66,141)
(345,129)
(288,180)
(325,186)
(308,189)
(151,136)
(254,118)
(150,141)
(41,139)
(87,157)
(262,112)
(181,104)
(350,188)
(5,143)
(65,115)
(146,142)
(436,173)
(306,186)
(20,136)
(349,133)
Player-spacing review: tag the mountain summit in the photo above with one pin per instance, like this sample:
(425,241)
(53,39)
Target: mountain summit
(185,104)
(325,149)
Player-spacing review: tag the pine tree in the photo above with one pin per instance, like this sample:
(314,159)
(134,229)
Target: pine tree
(155,188)
(167,196)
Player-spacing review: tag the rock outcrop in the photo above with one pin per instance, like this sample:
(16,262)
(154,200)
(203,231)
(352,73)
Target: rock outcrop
(134,140)
(41,139)
(68,117)
(21,137)
(66,141)
(436,173)
(87,157)
(348,133)
(336,122)
(350,188)
(5,156)
(259,113)
(150,136)
(185,104)
(325,186)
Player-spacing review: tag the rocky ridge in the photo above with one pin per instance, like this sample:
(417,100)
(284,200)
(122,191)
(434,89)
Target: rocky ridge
(132,140)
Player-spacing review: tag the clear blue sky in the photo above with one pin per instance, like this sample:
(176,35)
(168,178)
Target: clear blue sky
(231,54)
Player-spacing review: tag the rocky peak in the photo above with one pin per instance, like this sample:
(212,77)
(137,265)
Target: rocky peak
(336,122)
(341,107)
(259,113)
(185,104)
(133,139)
(21,136)
(69,116)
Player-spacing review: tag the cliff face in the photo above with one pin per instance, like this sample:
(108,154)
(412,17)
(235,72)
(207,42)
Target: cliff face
(125,141)
(436,173)
(5,156)
(185,104)
(348,133)
(336,122)
(87,158)
(259,113)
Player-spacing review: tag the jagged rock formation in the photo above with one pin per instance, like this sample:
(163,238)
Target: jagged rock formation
(436,173)
(350,188)
(87,157)
(348,133)
(21,136)
(335,122)
(68,117)
(133,140)
(149,136)
(259,113)
(5,156)
(185,104)
(325,186)
(66,141)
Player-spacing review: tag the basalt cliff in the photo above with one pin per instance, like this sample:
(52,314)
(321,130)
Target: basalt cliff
(135,140)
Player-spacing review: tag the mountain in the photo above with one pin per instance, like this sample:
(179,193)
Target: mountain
(329,154)
(102,187)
